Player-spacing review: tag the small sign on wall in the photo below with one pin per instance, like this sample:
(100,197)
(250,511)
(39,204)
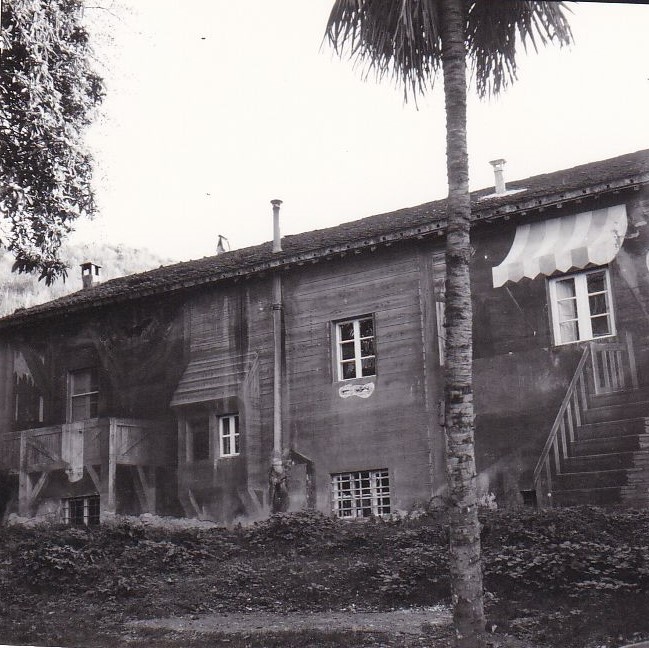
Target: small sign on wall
(362,391)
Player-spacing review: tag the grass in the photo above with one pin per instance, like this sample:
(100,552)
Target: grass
(576,578)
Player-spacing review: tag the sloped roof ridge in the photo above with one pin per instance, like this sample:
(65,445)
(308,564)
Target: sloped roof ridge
(370,228)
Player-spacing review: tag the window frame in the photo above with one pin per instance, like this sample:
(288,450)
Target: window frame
(233,436)
(357,496)
(90,517)
(583,311)
(86,396)
(357,339)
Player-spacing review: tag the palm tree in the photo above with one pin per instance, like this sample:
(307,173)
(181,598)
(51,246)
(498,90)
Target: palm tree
(410,40)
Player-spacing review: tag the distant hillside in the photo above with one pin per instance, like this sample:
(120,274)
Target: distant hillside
(23,290)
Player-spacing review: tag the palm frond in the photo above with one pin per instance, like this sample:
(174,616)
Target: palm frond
(395,38)
(401,38)
(496,30)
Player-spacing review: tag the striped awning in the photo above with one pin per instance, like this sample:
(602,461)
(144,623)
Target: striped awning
(562,244)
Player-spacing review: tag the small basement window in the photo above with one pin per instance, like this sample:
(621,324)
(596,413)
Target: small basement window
(355,348)
(81,511)
(229,441)
(361,494)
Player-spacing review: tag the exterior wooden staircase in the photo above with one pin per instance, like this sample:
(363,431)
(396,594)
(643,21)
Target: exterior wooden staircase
(597,451)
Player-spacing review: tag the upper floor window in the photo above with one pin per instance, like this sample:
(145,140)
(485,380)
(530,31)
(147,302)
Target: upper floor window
(581,306)
(229,435)
(355,348)
(83,394)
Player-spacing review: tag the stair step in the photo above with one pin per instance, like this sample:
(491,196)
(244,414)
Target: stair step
(593,479)
(603,461)
(610,428)
(602,496)
(617,411)
(619,397)
(610,444)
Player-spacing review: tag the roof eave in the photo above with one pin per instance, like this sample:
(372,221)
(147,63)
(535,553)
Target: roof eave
(434,228)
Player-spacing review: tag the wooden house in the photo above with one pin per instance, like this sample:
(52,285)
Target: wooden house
(316,362)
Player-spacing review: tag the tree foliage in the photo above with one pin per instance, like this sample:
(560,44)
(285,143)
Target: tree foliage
(402,39)
(48,91)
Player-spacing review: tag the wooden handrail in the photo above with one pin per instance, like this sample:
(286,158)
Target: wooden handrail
(610,374)
(575,389)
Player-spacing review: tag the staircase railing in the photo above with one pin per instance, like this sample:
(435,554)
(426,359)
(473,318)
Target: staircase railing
(611,372)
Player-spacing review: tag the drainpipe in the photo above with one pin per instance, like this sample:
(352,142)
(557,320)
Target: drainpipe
(278,488)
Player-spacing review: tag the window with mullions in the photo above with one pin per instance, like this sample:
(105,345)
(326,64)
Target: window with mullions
(581,306)
(229,435)
(83,394)
(361,494)
(81,511)
(355,348)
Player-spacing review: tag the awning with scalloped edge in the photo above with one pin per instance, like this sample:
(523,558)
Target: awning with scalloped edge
(563,244)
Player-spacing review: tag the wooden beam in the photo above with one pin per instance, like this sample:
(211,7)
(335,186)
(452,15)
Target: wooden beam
(148,487)
(24,483)
(194,503)
(53,456)
(40,484)
(111,503)
(94,476)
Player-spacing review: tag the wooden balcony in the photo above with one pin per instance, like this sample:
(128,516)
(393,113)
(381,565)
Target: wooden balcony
(128,441)
(94,447)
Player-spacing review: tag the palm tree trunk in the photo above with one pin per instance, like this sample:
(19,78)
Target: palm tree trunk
(465,561)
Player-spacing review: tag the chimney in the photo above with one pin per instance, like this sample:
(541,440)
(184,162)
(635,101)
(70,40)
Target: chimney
(220,248)
(499,179)
(277,238)
(89,274)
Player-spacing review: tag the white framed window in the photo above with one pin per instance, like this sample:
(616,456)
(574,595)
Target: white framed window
(355,348)
(81,511)
(229,442)
(581,306)
(83,394)
(361,494)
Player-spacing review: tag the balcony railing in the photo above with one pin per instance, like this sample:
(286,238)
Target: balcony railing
(90,442)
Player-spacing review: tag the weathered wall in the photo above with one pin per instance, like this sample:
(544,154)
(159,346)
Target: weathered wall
(213,352)
(520,376)
(393,428)
(139,352)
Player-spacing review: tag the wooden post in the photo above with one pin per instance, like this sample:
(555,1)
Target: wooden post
(24,483)
(147,485)
(111,504)
(632,364)
(310,487)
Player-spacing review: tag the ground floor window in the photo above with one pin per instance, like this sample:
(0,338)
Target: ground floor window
(229,435)
(81,511)
(361,494)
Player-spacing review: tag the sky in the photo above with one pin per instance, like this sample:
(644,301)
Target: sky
(214,107)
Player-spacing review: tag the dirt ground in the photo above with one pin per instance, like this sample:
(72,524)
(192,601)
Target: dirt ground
(422,626)
(405,621)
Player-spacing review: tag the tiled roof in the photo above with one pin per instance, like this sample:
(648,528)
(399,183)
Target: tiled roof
(593,178)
